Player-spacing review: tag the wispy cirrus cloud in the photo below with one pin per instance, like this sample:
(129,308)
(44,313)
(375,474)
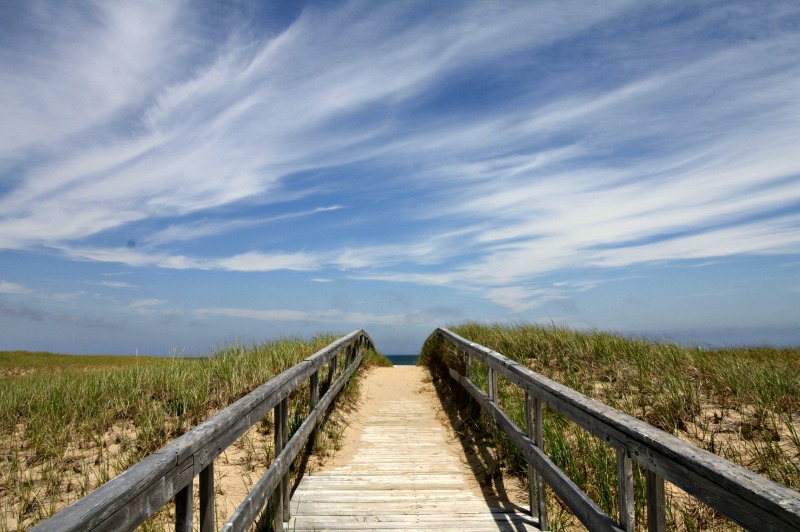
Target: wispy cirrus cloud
(229,126)
(522,153)
(244,262)
(321,316)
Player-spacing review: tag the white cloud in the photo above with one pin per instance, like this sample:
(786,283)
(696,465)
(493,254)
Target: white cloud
(261,262)
(674,156)
(204,228)
(229,126)
(7,287)
(116,284)
(319,316)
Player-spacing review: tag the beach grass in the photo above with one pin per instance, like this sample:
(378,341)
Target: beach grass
(70,423)
(742,403)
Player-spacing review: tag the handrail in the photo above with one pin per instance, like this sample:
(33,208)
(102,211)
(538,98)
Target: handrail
(747,498)
(137,493)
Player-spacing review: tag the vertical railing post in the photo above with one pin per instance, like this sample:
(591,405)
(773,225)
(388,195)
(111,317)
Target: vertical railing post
(207,498)
(625,495)
(183,509)
(313,400)
(492,386)
(538,439)
(656,515)
(533,475)
(277,496)
(285,434)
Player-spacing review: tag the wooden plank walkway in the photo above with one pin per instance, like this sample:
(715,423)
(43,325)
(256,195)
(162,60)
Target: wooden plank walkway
(404,471)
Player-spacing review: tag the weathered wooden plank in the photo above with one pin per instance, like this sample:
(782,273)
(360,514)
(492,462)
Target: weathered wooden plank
(742,495)
(406,474)
(456,512)
(584,508)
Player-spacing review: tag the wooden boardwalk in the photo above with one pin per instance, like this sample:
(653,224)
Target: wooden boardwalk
(404,472)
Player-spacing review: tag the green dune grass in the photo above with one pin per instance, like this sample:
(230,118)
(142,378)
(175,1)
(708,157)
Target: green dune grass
(742,403)
(69,423)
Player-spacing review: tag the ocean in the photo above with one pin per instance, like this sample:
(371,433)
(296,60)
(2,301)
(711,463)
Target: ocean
(403,360)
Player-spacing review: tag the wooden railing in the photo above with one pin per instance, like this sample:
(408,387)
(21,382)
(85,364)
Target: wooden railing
(129,499)
(750,500)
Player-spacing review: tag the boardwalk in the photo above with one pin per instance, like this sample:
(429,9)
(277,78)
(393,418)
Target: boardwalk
(400,470)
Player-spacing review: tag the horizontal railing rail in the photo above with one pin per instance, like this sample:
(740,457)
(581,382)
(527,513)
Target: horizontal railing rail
(129,499)
(752,501)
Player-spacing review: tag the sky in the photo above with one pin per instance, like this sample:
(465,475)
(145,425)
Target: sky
(179,176)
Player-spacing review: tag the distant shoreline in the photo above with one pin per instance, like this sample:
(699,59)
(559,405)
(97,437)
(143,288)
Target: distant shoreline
(403,360)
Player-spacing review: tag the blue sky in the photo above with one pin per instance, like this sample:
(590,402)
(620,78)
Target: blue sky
(177,176)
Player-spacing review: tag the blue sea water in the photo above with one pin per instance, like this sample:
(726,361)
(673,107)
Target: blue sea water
(403,360)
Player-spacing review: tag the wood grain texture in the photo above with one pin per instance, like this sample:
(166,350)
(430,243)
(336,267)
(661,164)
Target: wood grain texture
(403,475)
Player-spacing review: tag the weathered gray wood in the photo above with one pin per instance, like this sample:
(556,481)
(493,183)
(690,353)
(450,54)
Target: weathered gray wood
(749,499)
(404,472)
(584,508)
(625,494)
(278,494)
(269,483)
(538,440)
(125,501)
(656,507)
(533,476)
(148,501)
(313,400)
(286,513)
(491,387)
(207,499)
(183,509)
(88,512)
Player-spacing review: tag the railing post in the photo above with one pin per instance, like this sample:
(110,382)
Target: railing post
(207,498)
(656,516)
(285,482)
(277,497)
(492,386)
(183,509)
(625,495)
(313,400)
(539,441)
(533,475)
